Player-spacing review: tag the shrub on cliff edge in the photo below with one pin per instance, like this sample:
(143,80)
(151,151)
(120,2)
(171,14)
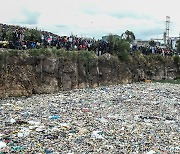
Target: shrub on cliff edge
(176,60)
(119,47)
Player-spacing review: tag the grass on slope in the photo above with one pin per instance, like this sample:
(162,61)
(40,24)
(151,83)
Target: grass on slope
(176,81)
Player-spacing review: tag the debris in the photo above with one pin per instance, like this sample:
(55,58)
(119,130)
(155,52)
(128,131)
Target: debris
(97,135)
(151,152)
(130,118)
(2,144)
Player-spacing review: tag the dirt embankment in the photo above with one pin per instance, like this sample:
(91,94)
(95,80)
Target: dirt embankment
(26,75)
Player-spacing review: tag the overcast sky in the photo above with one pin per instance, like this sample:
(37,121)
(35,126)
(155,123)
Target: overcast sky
(94,18)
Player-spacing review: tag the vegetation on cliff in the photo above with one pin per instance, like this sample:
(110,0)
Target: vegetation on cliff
(175,81)
(120,50)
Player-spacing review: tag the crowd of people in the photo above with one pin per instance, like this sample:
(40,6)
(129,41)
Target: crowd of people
(164,51)
(20,39)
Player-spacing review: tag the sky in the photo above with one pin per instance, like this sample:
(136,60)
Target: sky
(94,18)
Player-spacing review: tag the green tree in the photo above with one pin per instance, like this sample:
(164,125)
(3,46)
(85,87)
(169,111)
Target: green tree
(152,43)
(9,34)
(178,46)
(32,35)
(0,33)
(111,40)
(122,49)
(128,36)
(119,47)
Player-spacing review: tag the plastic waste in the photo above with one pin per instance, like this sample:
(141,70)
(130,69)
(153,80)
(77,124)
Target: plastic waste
(2,144)
(47,151)
(103,120)
(12,121)
(124,119)
(40,128)
(23,132)
(97,135)
(36,123)
(54,117)
(18,148)
(151,152)
(1,135)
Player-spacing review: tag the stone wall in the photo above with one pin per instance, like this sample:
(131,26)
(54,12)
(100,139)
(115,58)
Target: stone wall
(26,75)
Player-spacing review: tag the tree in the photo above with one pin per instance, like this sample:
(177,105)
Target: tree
(0,33)
(111,40)
(9,34)
(122,49)
(152,43)
(128,36)
(32,35)
(178,46)
(119,47)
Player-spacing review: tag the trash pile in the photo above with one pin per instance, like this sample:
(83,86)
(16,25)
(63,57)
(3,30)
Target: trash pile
(131,118)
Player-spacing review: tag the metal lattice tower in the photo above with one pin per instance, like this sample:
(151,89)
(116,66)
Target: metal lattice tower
(166,37)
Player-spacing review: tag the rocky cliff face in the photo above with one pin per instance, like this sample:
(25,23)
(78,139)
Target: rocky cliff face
(26,75)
